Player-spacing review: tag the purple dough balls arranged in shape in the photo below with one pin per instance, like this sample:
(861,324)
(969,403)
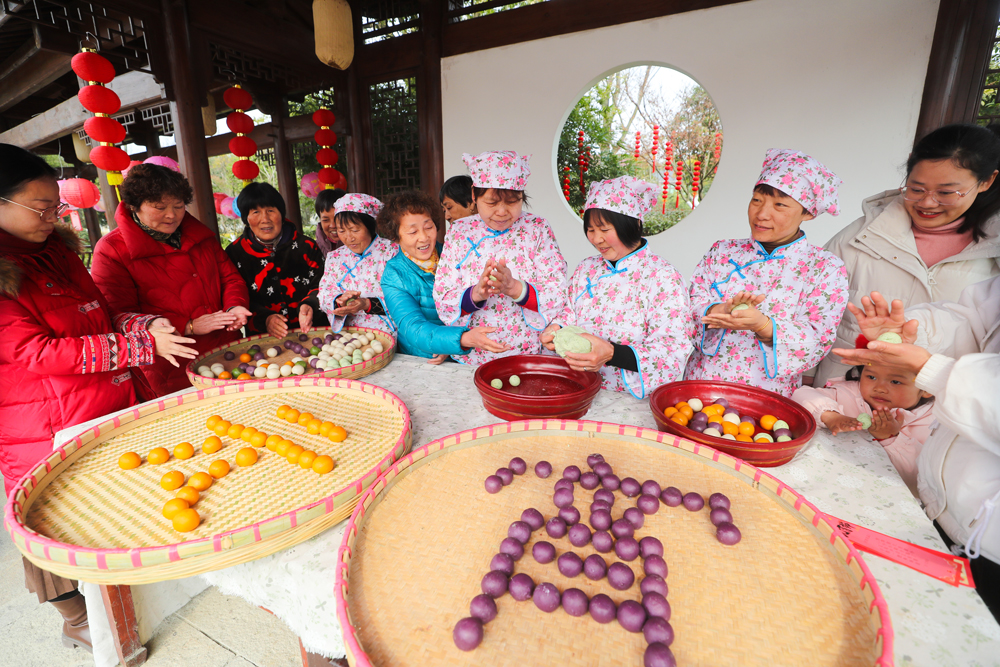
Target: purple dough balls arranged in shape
(651,488)
(651,583)
(543,469)
(605,496)
(658,630)
(599,505)
(483,607)
(229,355)
(627,548)
(579,535)
(493,484)
(655,565)
(533,518)
(572,473)
(600,519)
(656,605)
(594,567)
(602,608)
(543,552)
(575,602)
(611,482)
(570,515)
(494,584)
(603,541)
(521,587)
(658,655)
(517,465)
(520,531)
(570,565)
(622,528)
(720,515)
(468,633)
(603,468)
(672,496)
(503,563)
(556,527)
(728,534)
(546,597)
(648,504)
(635,517)
(594,459)
(620,576)
(717,500)
(562,484)
(506,475)
(649,546)
(563,498)
(511,547)
(630,487)
(589,481)
(693,502)
(631,616)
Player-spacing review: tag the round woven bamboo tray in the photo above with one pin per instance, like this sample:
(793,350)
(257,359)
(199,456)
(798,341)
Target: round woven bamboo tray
(793,592)
(353,372)
(79,515)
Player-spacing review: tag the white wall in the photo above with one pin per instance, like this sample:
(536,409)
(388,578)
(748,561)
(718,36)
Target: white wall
(840,80)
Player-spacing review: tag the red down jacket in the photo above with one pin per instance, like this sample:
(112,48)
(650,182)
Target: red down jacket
(138,274)
(61,362)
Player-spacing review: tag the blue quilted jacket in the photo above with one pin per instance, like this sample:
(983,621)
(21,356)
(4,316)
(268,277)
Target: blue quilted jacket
(409,298)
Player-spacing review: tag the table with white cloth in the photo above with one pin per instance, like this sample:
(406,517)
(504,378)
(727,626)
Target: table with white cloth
(848,476)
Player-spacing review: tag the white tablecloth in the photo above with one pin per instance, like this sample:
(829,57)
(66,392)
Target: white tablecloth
(848,476)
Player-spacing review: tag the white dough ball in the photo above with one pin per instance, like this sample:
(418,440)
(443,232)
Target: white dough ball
(731,418)
(298,370)
(367,355)
(260,372)
(377,346)
(286,371)
(696,404)
(273,373)
(272,352)
(294,359)
(218,368)
(205,371)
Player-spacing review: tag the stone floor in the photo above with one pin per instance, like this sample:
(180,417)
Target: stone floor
(213,630)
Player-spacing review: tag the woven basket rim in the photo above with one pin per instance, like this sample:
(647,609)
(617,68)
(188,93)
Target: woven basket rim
(793,501)
(24,537)
(353,371)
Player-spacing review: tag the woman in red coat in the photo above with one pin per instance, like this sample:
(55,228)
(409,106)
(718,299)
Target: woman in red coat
(63,358)
(160,259)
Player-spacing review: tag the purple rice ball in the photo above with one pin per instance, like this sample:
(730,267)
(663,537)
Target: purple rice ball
(575,602)
(505,475)
(546,597)
(579,535)
(483,607)
(721,401)
(782,432)
(603,468)
(698,427)
(599,505)
(258,356)
(570,515)
(672,496)
(521,586)
(315,360)
(229,355)
(569,564)
(303,337)
(656,605)
(630,487)
(493,484)
(622,528)
(655,565)
(494,583)
(620,576)
(503,563)
(652,583)
(563,484)
(651,488)
(603,541)
(468,633)
(520,531)
(600,519)
(556,527)
(631,616)
(693,502)
(543,552)
(658,630)
(602,608)
(648,504)
(650,546)
(728,534)
(605,496)
(627,548)
(317,341)
(572,473)
(594,459)
(543,469)
(730,411)
(699,418)
(635,517)
(590,480)
(517,465)
(594,567)
(533,518)
(748,419)
(563,498)
(658,655)
(328,338)
(288,344)
(611,482)
(512,548)
(720,515)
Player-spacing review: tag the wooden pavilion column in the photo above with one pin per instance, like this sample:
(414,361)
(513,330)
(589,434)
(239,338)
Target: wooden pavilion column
(288,184)
(429,121)
(189,130)
(93,228)
(110,197)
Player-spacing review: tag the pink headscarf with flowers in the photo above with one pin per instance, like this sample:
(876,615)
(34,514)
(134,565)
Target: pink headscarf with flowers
(627,195)
(803,178)
(502,170)
(358,203)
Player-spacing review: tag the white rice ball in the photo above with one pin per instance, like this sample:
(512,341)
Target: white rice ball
(367,355)
(206,372)
(298,370)
(273,372)
(696,404)
(260,372)
(218,368)
(286,371)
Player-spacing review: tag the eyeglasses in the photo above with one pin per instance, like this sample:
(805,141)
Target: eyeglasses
(58,210)
(943,197)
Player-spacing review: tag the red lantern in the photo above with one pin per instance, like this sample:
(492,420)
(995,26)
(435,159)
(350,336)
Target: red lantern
(239,123)
(324,117)
(327,156)
(104,130)
(98,99)
(330,176)
(237,98)
(245,170)
(325,137)
(680,182)
(242,146)
(218,196)
(92,67)
(79,192)
(110,159)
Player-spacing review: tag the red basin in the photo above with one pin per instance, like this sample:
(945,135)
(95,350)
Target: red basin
(746,400)
(549,388)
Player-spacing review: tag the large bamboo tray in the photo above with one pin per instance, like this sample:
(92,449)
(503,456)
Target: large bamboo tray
(359,370)
(793,592)
(79,515)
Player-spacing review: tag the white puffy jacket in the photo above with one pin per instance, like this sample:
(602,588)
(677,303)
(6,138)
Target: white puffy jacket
(881,255)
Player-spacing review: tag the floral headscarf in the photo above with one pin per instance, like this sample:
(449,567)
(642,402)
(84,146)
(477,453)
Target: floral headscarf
(502,170)
(803,178)
(627,195)
(358,203)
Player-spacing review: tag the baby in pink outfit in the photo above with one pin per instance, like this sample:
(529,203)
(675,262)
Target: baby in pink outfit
(899,413)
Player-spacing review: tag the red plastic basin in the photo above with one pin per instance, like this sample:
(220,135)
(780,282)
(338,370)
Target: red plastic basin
(749,401)
(549,388)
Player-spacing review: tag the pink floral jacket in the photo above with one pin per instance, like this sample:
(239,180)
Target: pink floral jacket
(532,254)
(806,294)
(346,271)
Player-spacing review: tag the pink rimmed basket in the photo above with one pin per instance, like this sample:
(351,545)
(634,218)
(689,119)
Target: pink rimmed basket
(399,593)
(79,515)
(353,372)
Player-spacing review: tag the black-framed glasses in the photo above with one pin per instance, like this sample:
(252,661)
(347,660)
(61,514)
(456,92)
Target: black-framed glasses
(943,197)
(58,210)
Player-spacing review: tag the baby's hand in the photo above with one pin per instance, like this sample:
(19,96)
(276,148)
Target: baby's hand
(838,423)
(884,424)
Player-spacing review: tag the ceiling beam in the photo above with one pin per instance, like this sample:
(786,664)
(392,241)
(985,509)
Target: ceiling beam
(40,61)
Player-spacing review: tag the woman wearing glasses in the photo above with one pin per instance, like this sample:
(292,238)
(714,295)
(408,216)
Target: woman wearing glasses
(930,239)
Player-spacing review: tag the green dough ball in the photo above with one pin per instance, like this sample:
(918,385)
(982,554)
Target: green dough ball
(779,424)
(514,381)
(493,278)
(890,337)
(568,339)
(741,306)
(866,420)
(496,383)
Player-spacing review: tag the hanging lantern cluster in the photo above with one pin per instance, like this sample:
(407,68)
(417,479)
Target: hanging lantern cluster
(242,146)
(656,143)
(666,187)
(326,138)
(638,144)
(680,182)
(100,100)
(583,160)
(717,153)
(566,181)
(695,178)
